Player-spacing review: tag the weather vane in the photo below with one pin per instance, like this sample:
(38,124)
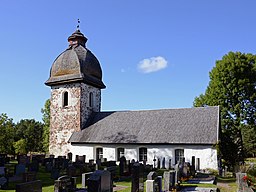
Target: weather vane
(78,21)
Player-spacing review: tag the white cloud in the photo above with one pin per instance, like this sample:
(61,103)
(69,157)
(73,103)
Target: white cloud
(152,64)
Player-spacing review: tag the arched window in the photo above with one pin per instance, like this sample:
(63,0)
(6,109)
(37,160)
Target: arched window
(99,153)
(179,155)
(65,99)
(91,99)
(143,154)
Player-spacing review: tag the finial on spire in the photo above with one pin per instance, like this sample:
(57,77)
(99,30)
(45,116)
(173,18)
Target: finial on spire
(78,25)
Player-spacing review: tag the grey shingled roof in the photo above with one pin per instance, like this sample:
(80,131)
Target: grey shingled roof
(171,126)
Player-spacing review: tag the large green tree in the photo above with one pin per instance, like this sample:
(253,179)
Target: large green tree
(7,134)
(29,133)
(46,120)
(232,87)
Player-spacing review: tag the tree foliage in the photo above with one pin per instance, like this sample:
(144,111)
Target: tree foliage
(7,134)
(30,132)
(46,119)
(232,87)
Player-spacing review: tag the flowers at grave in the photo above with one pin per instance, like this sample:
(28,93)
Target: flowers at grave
(249,182)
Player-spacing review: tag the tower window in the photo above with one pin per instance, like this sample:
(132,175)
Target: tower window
(91,99)
(65,99)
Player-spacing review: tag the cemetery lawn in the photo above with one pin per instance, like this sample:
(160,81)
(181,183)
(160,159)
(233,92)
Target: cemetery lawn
(227,184)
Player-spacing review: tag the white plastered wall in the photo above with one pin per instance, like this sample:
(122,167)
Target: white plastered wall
(207,154)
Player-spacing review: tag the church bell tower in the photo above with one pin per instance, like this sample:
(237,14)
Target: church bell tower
(76,83)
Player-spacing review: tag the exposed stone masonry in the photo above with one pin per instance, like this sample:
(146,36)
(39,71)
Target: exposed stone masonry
(72,118)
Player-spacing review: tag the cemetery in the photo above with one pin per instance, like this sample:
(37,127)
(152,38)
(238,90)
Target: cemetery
(61,174)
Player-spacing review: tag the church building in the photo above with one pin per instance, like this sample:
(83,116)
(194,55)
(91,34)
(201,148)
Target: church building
(78,125)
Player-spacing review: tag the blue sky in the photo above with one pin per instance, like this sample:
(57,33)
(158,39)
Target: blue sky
(154,54)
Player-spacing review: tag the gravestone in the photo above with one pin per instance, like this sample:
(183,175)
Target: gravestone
(186,169)
(193,166)
(80,159)
(122,165)
(158,163)
(33,186)
(112,170)
(151,185)
(241,182)
(169,180)
(197,164)
(52,156)
(20,169)
(33,166)
(137,177)
(163,163)
(154,164)
(100,180)
(65,184)
(2,171)
(48,166)
(2,161)
(70,156)
(55,173)
(170,163)
(71,171)
(23,159)
(3,182)
(29,176)
(177,173)
(85,177)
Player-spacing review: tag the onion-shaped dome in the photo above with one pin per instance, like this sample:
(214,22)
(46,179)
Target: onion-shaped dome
(76,64)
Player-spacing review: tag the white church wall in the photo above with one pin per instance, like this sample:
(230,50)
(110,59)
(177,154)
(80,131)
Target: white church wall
(207,155)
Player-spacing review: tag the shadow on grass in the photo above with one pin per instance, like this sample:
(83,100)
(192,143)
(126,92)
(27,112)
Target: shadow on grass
(226,179)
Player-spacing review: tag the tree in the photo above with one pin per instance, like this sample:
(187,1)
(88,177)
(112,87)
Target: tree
(7,134)
(232,87)
(46,119)
(31,132)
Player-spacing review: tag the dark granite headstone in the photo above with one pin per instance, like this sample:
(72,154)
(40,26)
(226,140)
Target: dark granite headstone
(33,186)
(100,180)
(137,178)
(29,176)
(55,173)
(71,171)
(23,159)
(48,166)
(20,169)
(122,165)
(3,182)
(170,163)
(70,156)
(158,163)
(197,164)
(193,166)
(80,159)
(33,166)
(163,163)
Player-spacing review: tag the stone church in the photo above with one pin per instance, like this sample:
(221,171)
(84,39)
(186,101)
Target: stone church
(78,125)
